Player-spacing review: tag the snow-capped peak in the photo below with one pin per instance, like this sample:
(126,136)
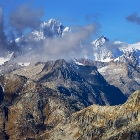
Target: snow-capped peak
(103,49)
(53,21)
(50,29)
(100,41)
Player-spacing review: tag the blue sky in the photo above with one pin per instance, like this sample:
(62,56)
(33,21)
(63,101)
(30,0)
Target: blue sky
(109,14)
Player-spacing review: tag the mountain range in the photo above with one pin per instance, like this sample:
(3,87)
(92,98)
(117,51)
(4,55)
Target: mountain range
(117,61)
(81,98)
(103,49)
(101,123)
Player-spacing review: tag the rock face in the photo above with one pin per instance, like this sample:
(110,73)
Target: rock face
(101,123)
(83,83)
(37,98)
(122,75)
(29,108)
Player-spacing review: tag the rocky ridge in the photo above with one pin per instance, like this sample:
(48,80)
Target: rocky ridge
(80,82)
(122,74)
(37,98)
(101,123)
(31,110)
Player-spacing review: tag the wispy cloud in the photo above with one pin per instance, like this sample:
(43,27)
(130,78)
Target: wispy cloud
(73,44)
(25,17)
(91,17)
(3,44)
(133,18)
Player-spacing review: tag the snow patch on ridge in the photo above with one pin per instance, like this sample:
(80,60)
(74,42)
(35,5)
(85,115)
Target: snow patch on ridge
(78,63)
(103,69)
(24,63)
(5,59)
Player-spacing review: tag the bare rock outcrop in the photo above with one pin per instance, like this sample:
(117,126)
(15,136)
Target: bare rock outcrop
(101,123)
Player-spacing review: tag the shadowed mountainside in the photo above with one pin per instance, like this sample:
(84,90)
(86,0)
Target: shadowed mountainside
(37,98)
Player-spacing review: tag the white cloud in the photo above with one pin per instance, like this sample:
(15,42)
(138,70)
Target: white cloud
(73,45)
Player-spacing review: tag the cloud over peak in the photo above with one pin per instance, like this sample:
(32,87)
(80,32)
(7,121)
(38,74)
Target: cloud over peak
(74,44)
(25,17)
(133,18)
